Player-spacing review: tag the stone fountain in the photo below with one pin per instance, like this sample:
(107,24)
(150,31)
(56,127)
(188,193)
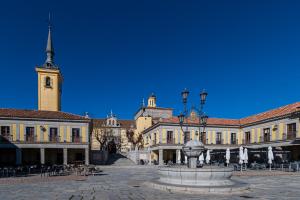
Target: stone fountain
(208,179)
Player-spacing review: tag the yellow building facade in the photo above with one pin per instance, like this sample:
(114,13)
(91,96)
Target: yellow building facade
(278,128)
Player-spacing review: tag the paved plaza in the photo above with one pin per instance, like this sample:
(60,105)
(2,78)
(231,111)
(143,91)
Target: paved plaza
(127,183)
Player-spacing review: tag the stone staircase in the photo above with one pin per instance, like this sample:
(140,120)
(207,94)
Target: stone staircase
(119,160)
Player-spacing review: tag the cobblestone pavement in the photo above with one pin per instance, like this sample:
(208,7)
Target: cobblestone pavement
(126,183)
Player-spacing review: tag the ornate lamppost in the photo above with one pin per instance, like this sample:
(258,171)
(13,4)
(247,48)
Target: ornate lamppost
(183,116)
(193,149)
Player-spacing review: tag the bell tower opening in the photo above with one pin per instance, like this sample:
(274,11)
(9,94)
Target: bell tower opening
(152,101)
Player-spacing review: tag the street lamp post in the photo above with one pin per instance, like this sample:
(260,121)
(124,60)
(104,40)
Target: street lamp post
(201,115)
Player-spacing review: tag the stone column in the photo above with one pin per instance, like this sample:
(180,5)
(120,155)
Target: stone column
(65,156)
(160,155)
(42,154)
(178,156)
(18,156)
(86,156)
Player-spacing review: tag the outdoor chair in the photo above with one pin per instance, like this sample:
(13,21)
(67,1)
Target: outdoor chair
(285,167)
(294,166)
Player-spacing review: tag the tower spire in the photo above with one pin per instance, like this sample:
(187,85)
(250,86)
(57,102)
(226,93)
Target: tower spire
(49,49)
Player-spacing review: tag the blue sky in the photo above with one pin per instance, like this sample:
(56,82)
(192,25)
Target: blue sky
(114,53)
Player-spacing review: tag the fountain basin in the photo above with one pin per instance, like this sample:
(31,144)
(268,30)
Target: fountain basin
(207,180)
(206,176)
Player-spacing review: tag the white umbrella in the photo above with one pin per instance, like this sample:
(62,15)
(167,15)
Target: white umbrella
(201,159)
(207,157)
(227,156)
(246,156)
(270,156)
(241,156)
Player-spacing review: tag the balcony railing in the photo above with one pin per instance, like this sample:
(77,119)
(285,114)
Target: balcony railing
(220,141)
(234,142)
(170,140)
(76,139)
(30,139)
(291,135)
(54,139)
(246,141)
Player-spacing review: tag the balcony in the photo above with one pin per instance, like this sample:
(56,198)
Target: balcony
(218,141)
(76,139)
(246,141)
(291,135)
(30,139)
(170,140)
(54,139)
(234,142)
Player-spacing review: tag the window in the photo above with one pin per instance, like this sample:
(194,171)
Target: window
(233,138)
(29,134)
(48,82)
(247,137)
(291,131)
(266,135)
(154,138)
(5,132)
(219,138)
(203,137)
(75,135)
(53,136)
(170,137)
(187,136)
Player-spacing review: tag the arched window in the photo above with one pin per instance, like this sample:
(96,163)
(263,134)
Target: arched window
(48,81)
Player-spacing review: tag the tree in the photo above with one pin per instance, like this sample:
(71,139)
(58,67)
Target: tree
(136,140)
(103,136)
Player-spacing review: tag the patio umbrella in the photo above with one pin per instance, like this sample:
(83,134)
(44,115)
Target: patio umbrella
(227,156)
(246,156)
(207,157)
(179,158)
(241,155)
(270,156)
(201,159)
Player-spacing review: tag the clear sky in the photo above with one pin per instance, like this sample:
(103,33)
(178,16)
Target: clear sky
(114,53)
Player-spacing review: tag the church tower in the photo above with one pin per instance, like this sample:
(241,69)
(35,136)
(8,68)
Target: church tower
(152,101)
(49,81)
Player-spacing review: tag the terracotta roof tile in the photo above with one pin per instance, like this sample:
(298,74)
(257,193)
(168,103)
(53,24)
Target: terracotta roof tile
(210,121)
(37,114)
(278,112)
